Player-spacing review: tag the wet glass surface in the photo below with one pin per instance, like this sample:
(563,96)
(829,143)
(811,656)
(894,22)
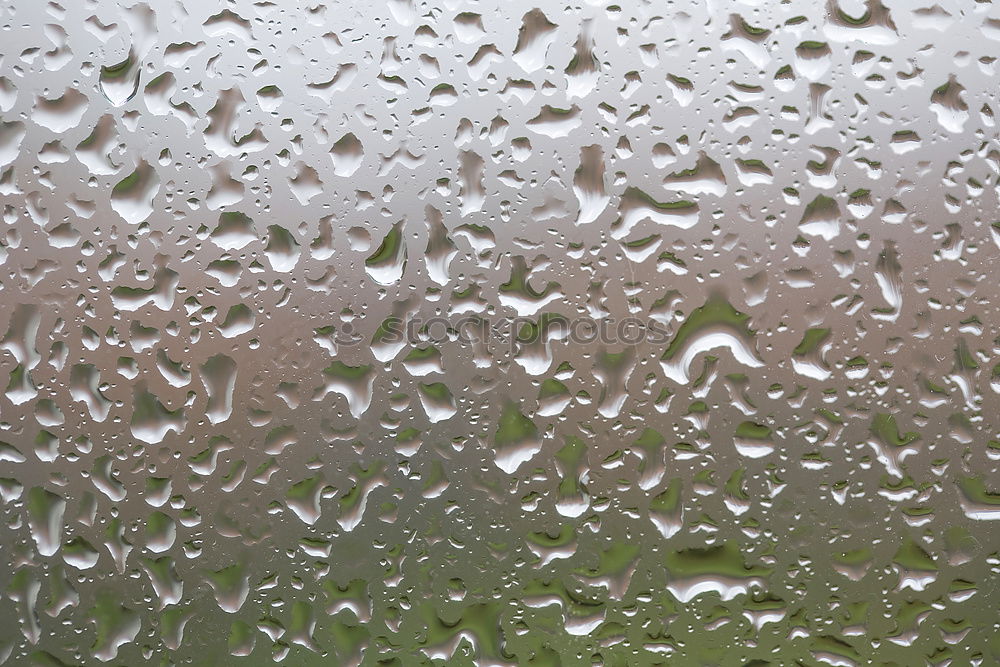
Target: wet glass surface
(478,333)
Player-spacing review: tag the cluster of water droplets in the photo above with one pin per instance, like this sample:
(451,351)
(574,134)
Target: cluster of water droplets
(295,372)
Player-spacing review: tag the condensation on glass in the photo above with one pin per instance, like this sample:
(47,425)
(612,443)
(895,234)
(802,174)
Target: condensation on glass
(486,333)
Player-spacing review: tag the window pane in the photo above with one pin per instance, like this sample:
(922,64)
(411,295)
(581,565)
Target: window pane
(417,333)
